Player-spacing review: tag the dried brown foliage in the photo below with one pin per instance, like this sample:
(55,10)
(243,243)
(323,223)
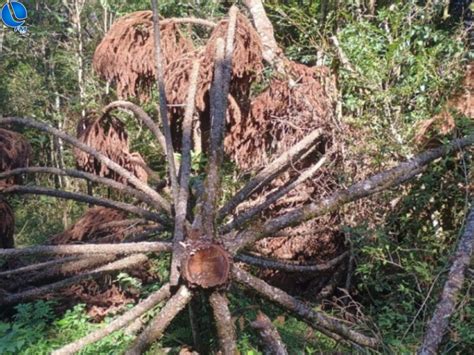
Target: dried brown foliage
(89,228)
(126,54)
(107,135)
(7,225)
(15,152)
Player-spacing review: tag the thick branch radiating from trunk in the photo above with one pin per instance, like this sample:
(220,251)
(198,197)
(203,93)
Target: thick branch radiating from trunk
(87,176)
(224,324)
(382,181)
(39,190)
(39,266)
(122,248)
(122,321)
(273,345)
(290,267)
(446,306)
(141,115)
(159,201)
(271,171)
(218,95)
(158,325)
(183,194)
(64,269)
(271,198)
(33,293)
(160,83)
(315,319)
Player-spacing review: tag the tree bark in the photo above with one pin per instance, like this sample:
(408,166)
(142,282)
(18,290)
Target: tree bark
(79,249)
(89,177)
(439,322)
(290,267)
(382,181)
(219,92)
(122,321)
(273,345)
(185,170)
(163,103)
(271,171)
(224,324)
(159,200)
(317,320)
(158,325)
(33,293)
(39,190)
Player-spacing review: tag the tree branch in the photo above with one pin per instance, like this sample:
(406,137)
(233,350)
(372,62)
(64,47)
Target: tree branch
(446,306)
(224,324)
(122,248)
(273,345)
(128,317)
(159,200)
(38,266)
(382,181)
(271,198)
(271,171)
(63,269)
(182,204)
(158,325)
(315,319)
(87,176)
(219,93)
(141,115)
(39,190)
(30,294)
(290,267)
(163,103)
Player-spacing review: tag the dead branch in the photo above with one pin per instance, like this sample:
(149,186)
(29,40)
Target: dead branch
(33,293)
(271,171)
(191,20)
(317,320)
(219,92)
(446,306)
(185,170)
(269,334)
(290,267)
(379,182)
(66,268)
(224,324)
(87,176)
(122,248)
(271,52)
(159,200)
(158,325)
(122,321)
(38,266)
(141,115)
(39,190)
(271,198)
(163,103)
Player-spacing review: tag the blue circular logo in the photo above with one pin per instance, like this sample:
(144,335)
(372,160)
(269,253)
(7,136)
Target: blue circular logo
(14,14)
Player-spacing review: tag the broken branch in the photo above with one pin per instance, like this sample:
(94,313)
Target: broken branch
(224,323)
(128,317)
(446,306)
(158,325)
(123,248)
(273,345)
(315,319)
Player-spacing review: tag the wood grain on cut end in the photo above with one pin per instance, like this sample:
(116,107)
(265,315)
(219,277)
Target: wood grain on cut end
(206,265)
